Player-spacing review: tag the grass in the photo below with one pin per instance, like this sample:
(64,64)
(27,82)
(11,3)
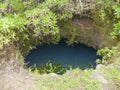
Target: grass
(74,80)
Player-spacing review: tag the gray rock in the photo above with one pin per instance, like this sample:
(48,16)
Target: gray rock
(99,66)
(100,78)
(118,68)
(53,74)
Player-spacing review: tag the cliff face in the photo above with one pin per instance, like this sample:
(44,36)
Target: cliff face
(86,31)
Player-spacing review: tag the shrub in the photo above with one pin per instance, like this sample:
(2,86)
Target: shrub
(106,53)
(48,67)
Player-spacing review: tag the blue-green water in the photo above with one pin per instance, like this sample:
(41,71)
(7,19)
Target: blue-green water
(76,55)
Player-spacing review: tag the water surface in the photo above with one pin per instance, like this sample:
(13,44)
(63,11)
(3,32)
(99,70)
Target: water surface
(76,55)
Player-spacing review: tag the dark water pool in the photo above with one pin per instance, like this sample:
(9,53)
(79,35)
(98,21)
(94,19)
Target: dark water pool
(77,55)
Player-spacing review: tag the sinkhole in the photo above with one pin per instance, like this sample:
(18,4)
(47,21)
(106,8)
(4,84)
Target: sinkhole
(77,55)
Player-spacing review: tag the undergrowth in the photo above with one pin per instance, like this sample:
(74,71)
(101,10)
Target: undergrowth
(48,67)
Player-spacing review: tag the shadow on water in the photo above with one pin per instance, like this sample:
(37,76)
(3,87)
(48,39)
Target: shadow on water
(76,56)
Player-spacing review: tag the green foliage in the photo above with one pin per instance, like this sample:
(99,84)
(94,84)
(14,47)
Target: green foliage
(2,6)
(9,28)
(60,7)
(44,20)
(116,31)
(29,23)
(98,61)
(116,9)
(108,10)
(102,14)
(109,13)
(48,67)
(106,53)
(17,5)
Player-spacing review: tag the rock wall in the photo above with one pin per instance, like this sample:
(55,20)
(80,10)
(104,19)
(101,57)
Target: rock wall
(86,31)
